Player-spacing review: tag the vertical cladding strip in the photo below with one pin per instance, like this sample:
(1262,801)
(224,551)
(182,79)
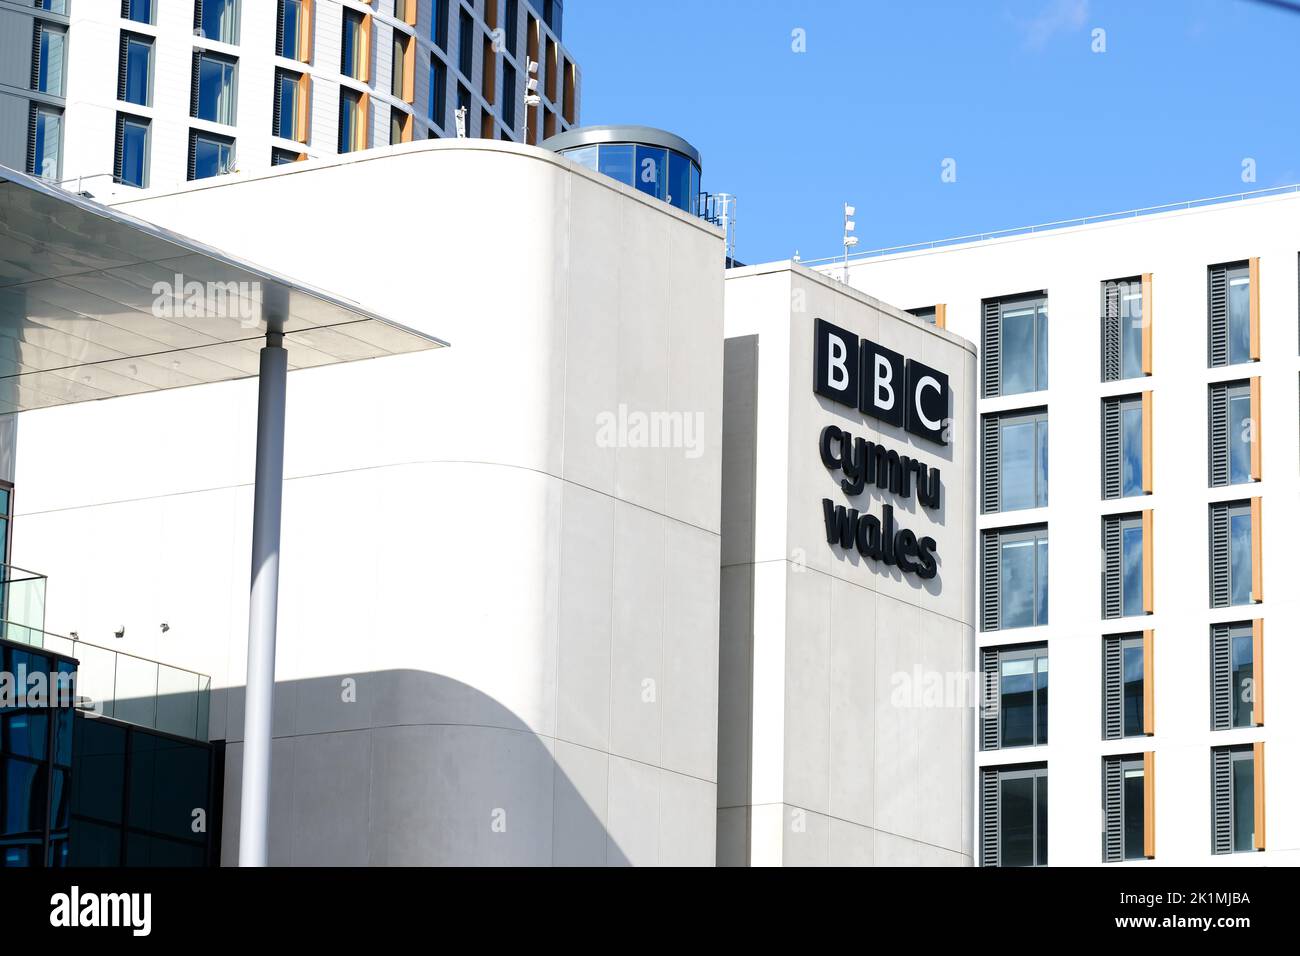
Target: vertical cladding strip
(1149,682)
(990,584)
(1219,591)
(1148,443)
(1112,655)
(991,714)
(1149,804)
(1221,796)
(1257,670)
(1218,434)
(1218,316)
(1113,809)
(1112,574)
(1148,325)
(1254,310)
(303,120)
(1220,677)
(1148,561)
(1257,549)
(941,315)
(991,464)
(992,349)
(1260,828)
(1110,332)
(1256,438)
(989,814)
(1110,450)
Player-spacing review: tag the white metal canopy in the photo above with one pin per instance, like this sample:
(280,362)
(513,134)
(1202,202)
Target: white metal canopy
(96,304)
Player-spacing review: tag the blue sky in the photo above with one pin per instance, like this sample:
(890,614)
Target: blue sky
(1039,125)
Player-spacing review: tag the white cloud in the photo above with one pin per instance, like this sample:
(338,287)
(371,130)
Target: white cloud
(1059,16)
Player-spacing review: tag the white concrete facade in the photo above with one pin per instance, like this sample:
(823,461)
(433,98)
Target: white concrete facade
(834,748)
(1071,264)
(498,628)
(96,26)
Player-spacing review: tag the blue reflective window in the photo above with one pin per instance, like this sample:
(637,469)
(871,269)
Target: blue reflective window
(586,156)
(1023,697)
(22,798)
(1239,430)
(1024,346)
(651,171)
(212,156)
(216,89)
(141,11)
(24,732)
(288,96)
(617,162)
(679,181)
(1134,687)
(353,55)
(50,74)
(1024,579)
(1131,545)
(1238,315)
(1243,801)
(291,27)
(1239,553)
(135,152)
(1130,329)
(1130,431)
(1023,461)
(139,56)
(1243,673)
(220,20)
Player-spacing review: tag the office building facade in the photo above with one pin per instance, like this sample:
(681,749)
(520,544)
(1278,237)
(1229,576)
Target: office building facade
(1160,351)
(117,96)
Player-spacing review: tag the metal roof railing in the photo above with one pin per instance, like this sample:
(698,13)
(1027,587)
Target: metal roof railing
(1061,224)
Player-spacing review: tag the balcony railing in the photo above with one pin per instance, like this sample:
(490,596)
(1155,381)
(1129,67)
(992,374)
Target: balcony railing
(110,683)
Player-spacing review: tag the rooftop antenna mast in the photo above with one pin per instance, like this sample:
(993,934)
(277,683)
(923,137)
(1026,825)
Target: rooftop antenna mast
(850,240)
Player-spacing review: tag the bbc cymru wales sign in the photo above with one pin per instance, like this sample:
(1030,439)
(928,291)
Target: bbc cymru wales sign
(879,382)
(898,391)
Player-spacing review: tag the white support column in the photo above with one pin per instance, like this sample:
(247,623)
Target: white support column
(264,592)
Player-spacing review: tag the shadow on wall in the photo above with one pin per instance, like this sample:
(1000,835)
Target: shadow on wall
(409,768)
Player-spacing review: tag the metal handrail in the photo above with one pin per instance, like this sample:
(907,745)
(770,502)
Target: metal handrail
(1063,223)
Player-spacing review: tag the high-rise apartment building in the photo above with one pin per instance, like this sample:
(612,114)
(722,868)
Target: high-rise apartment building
(108,96)
(1160,352)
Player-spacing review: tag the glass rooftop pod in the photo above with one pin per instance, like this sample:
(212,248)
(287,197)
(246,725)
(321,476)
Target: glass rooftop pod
(651,160)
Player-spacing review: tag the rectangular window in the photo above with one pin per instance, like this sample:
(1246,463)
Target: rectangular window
(1124,329)
(1014,460)
(1231,554)
(293,30)
(1014,578)
(213,96)
(1234,685)
(131,165)
(1230,314)
(355,61)
(49,45)
(217,20)
(442,23)
(1126,701)
(1124,571)
(135,69)
(926,314)
(354,121)
(210,155)
(466,60)
(283,157)
(1232,433)
(1124,799)
(1015,345)
(406,11)
(141,11)
(463,102)
(45,142)
(1015,706)
(508,95)
(437,92)
(291,108)
(1234,810)
(512,25)
(1123,441)
(1013,816)
(403,67)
